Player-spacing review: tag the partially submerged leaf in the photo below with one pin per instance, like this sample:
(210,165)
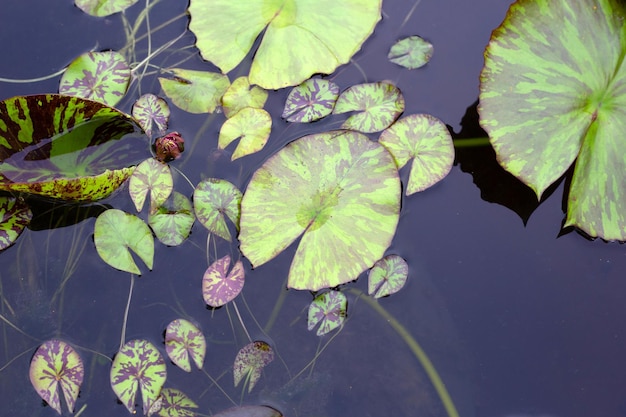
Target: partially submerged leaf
(151,110)
(103,8)
(252,125)
(387,276)
(412,52)
(154,177)
(212,199)
(176,403)
(241,94)
(195,91)
(329,310)
(249,411)
(15,215)
(183,340)
(250,361)
(172,221)
(219,286)
(310,101)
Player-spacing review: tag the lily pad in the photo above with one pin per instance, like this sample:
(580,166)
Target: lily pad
(183,340)
(138,366)
(387,276)
(172,221)
(98,76)
(301,38)
(150,110)
(552,92)
(213,199)
(56,365)
(252,125)
(241,94)
(103,8)
(115,232)
(176,403)
(412,52)
(338,190)
(329,310)
(195,91)
(249,411)
(154,177)
(219,286)
(15,215)
(313,99)
(425,140)
(250,361)
(379,105)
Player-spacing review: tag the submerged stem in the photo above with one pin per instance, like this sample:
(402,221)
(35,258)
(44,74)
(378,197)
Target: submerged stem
(130,295)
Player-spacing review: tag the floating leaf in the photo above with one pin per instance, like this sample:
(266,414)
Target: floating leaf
(552,91)
(55,364)
(249,411)
(175,403)
(219,286)
(340,191)
(151,110)
(15,215)
(387,276)
(250,361)
(138,365)
(154,177)
(412,52)
(301,38)
(379,105)
(212,199)
(184,340)
(328,309)
(427,141)
(103,8)
(195,91)
(172,222)
(116,232)
(98,76)
(310,101)
(252,125)
(240,95)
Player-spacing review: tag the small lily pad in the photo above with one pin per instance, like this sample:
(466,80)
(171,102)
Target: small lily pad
(329,310)
(387,276)
(250,361)
(150,110)
(219,286)
(15,215)
(212,199)
(240,95)
(252,125)
(183,340)
(195,91)
(412,52)
(154,177)
(103,8)
(313,99)
(176,403)
(172,221)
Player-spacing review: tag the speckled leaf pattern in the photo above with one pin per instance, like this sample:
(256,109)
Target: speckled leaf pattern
(98,76)
(412,52)
(15,215)
(425,140)
(115,232)
(103,8)
(301,38)
(150,110)
(329,310)
(551,93)
(172,221)
(249,411)
(213,199)
(379,105)
(56,367)
(195,91)
(184,341)
(252,125)
(250,361)
(310,101)
(138,366)
(176,403)
(154,177)
(387,276)
(241,94)
(219,286)
(340,191)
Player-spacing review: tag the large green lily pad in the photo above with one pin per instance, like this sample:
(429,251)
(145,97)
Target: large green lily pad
(552,92)
(339,191)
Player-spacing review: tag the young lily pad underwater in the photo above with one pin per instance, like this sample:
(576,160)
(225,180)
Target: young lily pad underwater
(263,208)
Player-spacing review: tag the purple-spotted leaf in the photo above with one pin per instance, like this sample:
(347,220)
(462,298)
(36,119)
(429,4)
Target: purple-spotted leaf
(195,91)
(340,191)
(154,177)
(212,199)
(241,94)
(15,215)
(57,367)
(252,125)
(138,366)
(250,361)
(183,341)
(249,411)
(425,140)
(412,52)
(103,8)
(98,76)
(172,221)
(115,232)
(219,286)
(150,110)
(387,276)
(310,101)
(379,105)
(329,310)
(176,403)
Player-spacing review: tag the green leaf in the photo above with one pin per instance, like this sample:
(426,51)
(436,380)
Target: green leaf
(98,76)
(138,365)
(301,38)
(552,91)
(249,411)
(172,221)
(15,215)
(176,404)
(56,365)
(328,309)
(182,341)
(219,286)
(212,199)
(240,95)
(252,125)
(412,52)
(154,177)
(103,8)
(387,276)
(250,361)
(310,101)
(340,191)
(116,232)
(151,110)
(195,91)
(379,105)
(425,140)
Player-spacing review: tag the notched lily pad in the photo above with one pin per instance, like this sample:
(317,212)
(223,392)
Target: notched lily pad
(15,215)
(154,177)
(387,276)
(213,199)
(183,340)
(172,221)
(103,8)
(252,125)
(412,52)
(250,361)
(176,403)
(240,95)
(313,99)
(329,310)
(219,286)
(150,110)
(195,91)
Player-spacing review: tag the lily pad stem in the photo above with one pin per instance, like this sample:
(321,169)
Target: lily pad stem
(130,295)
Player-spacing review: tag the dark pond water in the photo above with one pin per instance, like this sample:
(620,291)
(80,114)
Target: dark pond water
(518,318)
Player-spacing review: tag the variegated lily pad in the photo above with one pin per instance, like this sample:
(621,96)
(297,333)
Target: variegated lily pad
(250,361)
(172,221)
(154,177)
(195,91)
(252,125)
(213,199)
(219,286)
(313,99)
(176,403)
(15,215)
(241,94)
(412,52)
(183,340)
(387,276)
(150,110)
(103,8)
(329,310)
